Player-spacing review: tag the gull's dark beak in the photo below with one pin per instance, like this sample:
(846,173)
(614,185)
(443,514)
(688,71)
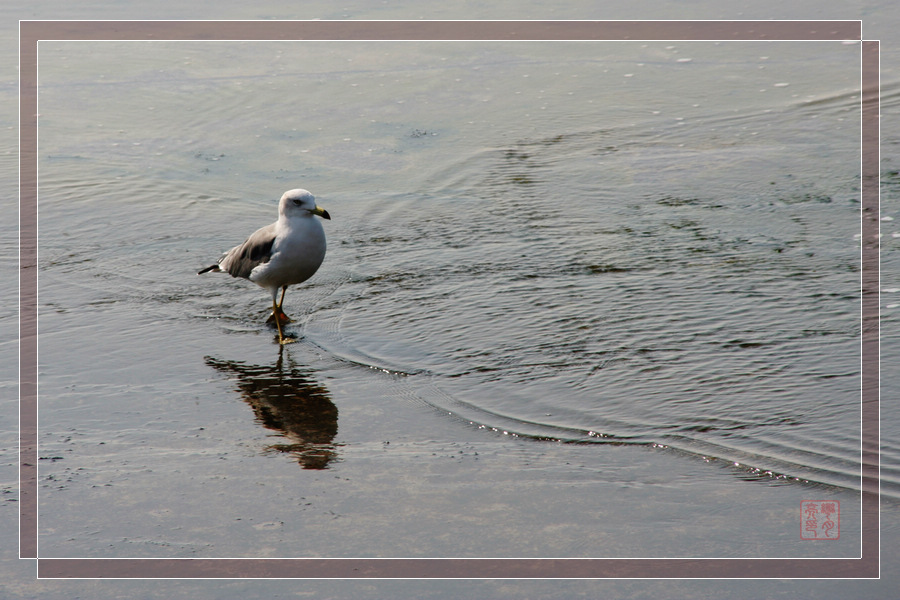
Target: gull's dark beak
(322,213)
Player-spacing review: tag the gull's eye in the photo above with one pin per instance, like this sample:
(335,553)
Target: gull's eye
(298,201)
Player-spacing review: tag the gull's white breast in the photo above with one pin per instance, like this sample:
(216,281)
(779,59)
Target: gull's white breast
(297,253)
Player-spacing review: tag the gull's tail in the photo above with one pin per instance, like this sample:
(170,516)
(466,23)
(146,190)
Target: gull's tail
(208,269)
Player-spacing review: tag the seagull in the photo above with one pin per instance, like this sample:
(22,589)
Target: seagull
(287,252)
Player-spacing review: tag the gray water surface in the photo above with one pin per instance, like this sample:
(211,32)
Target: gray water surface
(570,286)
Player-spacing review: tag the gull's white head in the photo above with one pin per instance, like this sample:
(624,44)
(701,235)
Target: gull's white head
(300,203)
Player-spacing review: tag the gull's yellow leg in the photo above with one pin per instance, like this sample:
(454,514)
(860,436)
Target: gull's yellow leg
(281,339)
(284,318)
(277,313)
(277,320)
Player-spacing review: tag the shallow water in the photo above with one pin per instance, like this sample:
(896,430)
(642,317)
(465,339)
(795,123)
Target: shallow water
(625,265)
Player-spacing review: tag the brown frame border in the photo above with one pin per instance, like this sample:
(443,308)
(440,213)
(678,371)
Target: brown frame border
(867,566)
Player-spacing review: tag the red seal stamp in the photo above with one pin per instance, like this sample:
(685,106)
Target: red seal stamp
(820,520)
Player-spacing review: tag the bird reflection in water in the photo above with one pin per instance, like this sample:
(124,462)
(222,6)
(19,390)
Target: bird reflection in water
(290,401)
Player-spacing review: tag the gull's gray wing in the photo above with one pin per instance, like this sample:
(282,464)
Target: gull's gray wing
(241,260)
